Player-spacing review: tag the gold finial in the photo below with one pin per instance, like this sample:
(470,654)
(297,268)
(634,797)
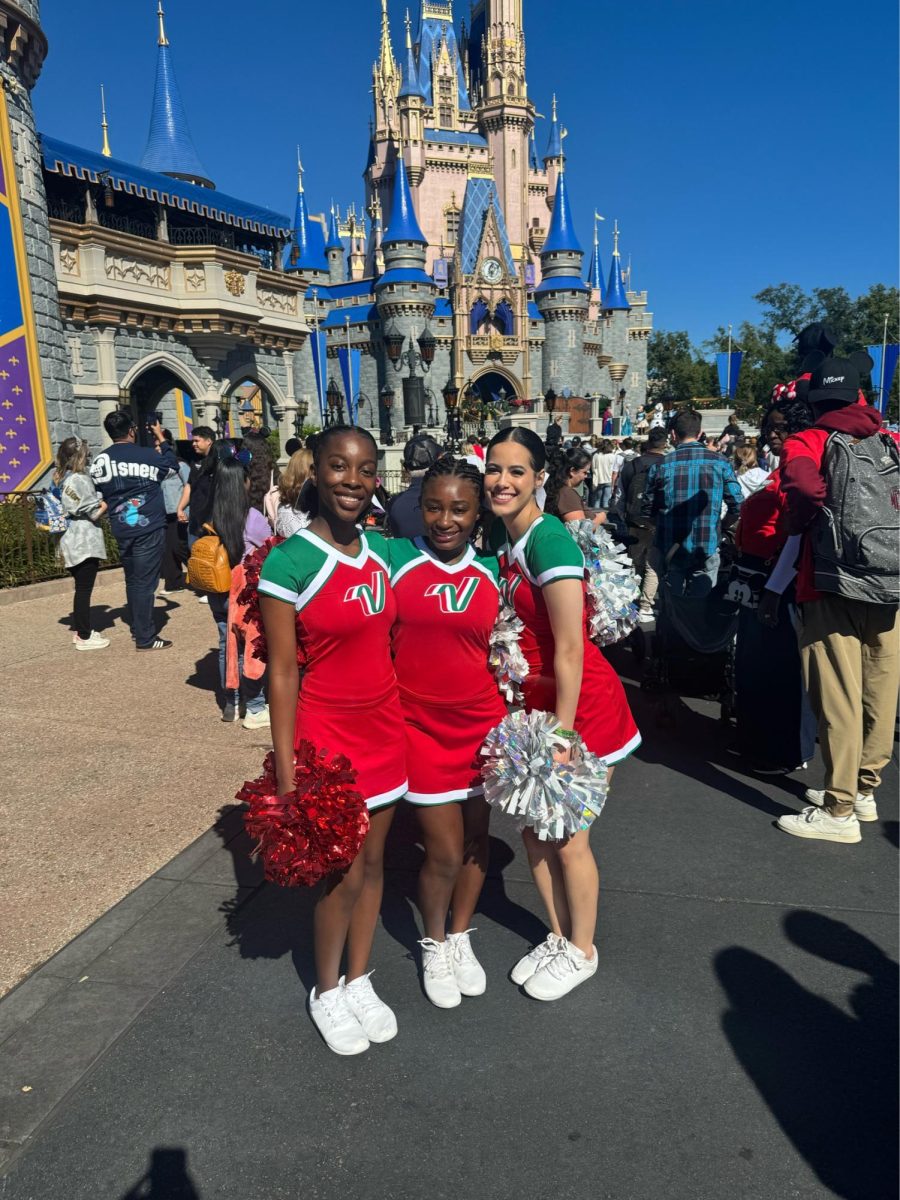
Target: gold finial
(408,31)
(162,40)
(615,239)
(299,173)
(553,109)
(104,125)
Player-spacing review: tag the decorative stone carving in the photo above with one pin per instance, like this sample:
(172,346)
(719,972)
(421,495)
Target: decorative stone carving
(235,282)
(195,279)
(68,260)
(136,270)
(277,300)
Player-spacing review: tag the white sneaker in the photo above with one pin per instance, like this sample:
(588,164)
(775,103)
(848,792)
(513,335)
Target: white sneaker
(378,1022)
(559,973)
(335,1021)
(863,806)
(203,599)
(646,618)
(467,970)
(94,642)
(816,823)
(526,967)
(258,720)
(437,974)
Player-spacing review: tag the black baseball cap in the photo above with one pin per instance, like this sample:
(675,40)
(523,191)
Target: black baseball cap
(836,380)
(421,452)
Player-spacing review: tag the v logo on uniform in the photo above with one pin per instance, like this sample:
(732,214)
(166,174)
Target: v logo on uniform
(454,598)
(371,597)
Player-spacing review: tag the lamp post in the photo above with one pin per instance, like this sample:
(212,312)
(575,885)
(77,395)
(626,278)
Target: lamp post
(432,414)
(223,412)
(450,392)
(300,414)
(353,415)
(387,400)
(550,399)
(335,400)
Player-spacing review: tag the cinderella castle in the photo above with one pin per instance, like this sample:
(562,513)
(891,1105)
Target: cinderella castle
(458,295)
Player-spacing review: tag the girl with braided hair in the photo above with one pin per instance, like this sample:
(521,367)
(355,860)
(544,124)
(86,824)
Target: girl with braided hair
(447,600)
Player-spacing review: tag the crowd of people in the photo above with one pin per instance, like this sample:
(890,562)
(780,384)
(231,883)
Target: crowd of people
(378,611)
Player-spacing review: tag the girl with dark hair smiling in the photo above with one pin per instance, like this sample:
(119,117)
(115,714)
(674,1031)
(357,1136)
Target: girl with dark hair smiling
(448,599)
(327,589)
(543,573)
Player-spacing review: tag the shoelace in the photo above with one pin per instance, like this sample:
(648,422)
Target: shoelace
(436,960)
(461,947)
(364,994)
(547,948)
(335,1008)
(563,961)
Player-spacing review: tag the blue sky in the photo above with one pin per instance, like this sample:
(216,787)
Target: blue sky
(740,143)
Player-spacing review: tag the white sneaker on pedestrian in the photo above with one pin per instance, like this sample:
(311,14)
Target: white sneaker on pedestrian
(559,973)
(95,642)
(203,599)
(467,970)
(258,720)
(336,1022)
(378,1021)
(526,967)
(863,806)
(646,618)
(817,823)
(438,979)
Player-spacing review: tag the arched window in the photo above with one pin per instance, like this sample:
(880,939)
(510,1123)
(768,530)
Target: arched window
(513,153)
(451,229)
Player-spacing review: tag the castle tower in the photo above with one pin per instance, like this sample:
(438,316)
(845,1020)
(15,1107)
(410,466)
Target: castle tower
(554,158)
(563,299)
(385,81)
(405,295)
(28,291)
(306,252)
(170,148)
(595,274)
(334,250)
(411,100)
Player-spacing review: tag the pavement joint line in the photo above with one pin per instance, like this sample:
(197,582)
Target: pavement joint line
(885,912)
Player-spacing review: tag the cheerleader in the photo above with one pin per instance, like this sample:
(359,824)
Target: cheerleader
(447,604)
(327,587)
(542,572)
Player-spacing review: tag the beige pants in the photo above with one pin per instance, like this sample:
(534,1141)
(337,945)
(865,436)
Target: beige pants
(851,668)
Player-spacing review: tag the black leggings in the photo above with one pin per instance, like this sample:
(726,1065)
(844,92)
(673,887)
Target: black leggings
(84,574)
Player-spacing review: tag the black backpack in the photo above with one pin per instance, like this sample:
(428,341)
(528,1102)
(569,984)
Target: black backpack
(637,486)
(856,535)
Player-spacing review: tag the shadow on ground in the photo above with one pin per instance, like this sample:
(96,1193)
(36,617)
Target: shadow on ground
(828,1077)
(166,1178)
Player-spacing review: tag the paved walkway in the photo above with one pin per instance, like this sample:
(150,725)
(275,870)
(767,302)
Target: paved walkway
(738,1041)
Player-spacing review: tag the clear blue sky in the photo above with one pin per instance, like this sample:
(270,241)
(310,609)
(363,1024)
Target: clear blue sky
(740,144)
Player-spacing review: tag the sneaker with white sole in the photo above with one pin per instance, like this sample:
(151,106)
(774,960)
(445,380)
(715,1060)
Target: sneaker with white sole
(378,1021)
(336,1022)
(438,979)
(203,599)
(864,806)
(817,823)
(467,970)
(95,642)
(526,966)
(257,720)
(559,973)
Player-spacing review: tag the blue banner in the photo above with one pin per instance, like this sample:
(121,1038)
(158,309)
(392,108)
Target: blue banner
(891,352)
(317,343)
(728,378)
(349,364)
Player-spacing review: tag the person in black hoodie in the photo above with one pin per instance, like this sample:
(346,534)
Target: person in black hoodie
(128,477)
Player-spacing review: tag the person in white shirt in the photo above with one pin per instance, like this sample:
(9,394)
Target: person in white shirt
(601,475)
(624,454)
(750,475)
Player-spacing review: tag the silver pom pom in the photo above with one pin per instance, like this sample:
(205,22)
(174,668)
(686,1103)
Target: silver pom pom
(522,779)
(506,658)
(612,585)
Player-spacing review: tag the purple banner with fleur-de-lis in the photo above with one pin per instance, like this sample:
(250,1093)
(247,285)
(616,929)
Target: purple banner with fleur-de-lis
(24,437)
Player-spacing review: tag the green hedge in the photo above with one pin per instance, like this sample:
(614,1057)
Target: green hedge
(27,554)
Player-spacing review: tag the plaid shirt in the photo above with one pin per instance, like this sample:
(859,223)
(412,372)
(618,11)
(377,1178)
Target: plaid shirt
(685,493)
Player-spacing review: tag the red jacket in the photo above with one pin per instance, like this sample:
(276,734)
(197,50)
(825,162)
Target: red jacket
(803,483)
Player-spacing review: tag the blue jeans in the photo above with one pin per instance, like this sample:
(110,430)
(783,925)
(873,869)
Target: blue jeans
(601,495)
(253,688)
(690,575)
(141,559)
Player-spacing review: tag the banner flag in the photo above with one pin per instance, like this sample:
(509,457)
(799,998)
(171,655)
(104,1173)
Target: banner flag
(317,343)
(891,353)
(185,413)
(25,451)
(349,365)
(441,272)
(728,378)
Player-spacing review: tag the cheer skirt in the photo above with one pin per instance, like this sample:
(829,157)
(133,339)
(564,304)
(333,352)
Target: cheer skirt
(372,737)
(603,719)
(443,744)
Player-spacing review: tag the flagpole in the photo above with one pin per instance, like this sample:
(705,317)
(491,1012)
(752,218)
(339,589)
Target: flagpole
(881,397)
(728,376)
(349,374)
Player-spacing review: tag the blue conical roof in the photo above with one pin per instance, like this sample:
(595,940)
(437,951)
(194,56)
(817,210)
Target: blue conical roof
(404,225)
(533,161)
(561,236)
(333,241)
(615,293)
(309,240)
(554,141)
(170,149)
(595,275)
(411,85)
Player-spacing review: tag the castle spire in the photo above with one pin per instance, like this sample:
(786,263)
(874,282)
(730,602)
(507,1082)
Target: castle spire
(170,149)
(306,253)
(299,172)
(561,237)
(333,241)
(595,275)
(104,125)
(411,85)
(555,140)
(615,289)
(404,225)
(386,61)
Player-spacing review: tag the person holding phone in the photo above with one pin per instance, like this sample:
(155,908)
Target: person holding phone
(129,478)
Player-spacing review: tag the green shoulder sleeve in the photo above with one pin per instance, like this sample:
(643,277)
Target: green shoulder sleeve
(291,568)
(551,553)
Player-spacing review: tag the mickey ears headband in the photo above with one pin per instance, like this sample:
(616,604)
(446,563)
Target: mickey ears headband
(859,359)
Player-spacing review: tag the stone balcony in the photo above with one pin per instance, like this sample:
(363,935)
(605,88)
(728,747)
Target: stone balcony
(479,346)
(203,292)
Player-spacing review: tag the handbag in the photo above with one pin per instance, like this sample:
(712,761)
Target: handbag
(745,585)
(208,568)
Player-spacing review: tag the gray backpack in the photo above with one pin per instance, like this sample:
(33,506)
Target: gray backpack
(856,537)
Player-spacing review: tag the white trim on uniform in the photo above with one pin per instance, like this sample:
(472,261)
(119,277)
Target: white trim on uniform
(318,580)
(373,802)
(487,572)
(279,592)
(434,799)
(450,568)
(326,548)
(407,567)
(624,752)
(559,573)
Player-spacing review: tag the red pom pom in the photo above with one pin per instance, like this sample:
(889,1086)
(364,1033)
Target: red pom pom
(316,830)
(249,597)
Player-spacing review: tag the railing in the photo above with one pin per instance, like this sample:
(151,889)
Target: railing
(73,213)
(200,235)
(127,225)
(28,554)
